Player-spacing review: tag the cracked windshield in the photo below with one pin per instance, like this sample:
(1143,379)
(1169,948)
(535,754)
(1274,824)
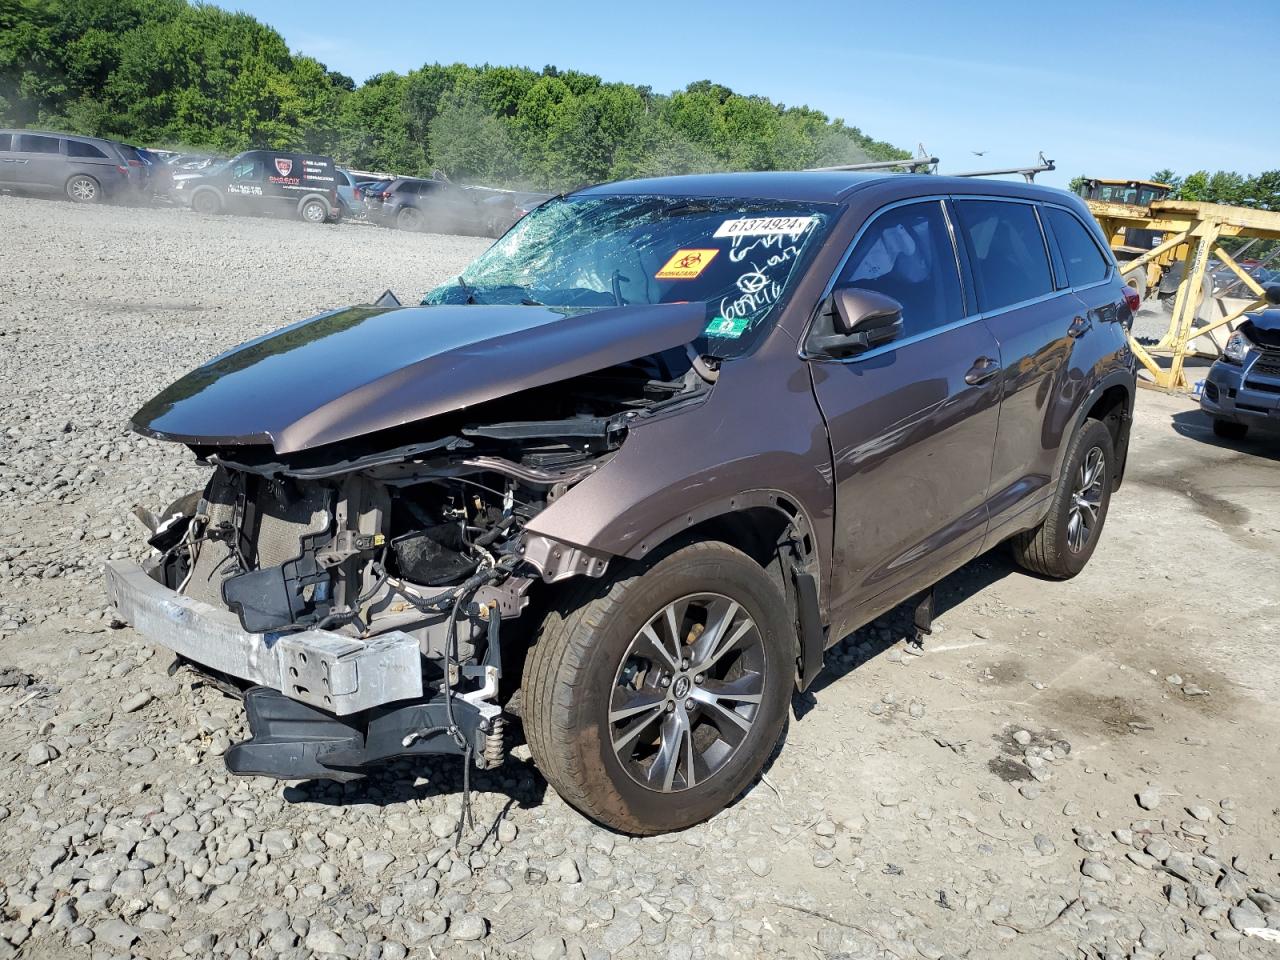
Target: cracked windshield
(741,260)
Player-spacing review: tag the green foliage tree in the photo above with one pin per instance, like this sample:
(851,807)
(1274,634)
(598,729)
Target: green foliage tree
(173,72)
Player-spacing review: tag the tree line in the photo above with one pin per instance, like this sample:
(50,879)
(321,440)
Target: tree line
(169,73)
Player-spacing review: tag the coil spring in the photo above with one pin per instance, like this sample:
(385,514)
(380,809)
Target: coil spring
(494,744)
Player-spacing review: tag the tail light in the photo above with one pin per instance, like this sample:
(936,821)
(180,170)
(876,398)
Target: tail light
(122,169)
(1131,298)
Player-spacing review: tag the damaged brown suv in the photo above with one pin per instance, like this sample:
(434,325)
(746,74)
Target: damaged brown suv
(629,475)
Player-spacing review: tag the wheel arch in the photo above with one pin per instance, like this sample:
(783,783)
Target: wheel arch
(1111,401)
(769,526)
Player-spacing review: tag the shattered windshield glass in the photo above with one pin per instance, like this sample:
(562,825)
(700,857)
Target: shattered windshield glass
(739,257)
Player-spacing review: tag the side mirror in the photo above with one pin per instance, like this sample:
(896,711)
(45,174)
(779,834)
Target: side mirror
(1273,294)
(853,320)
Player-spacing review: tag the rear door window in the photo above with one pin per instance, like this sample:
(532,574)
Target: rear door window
(907,254)
(1006,250)
(6,140)
(34,143)
(77,149)
(1084,262)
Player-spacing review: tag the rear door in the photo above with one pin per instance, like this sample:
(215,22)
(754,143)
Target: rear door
(912,422)
(1031,319)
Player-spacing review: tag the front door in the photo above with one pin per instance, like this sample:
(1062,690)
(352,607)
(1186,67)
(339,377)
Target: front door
(913,422)
(40,161)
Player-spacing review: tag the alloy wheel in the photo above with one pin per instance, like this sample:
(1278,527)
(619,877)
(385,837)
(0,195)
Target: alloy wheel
(687,692)
(1086,500)
(84,190)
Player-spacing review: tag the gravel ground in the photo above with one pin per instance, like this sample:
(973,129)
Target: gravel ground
(1086,769)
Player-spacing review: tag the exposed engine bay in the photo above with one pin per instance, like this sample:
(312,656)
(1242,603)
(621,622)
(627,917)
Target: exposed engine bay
(415,531)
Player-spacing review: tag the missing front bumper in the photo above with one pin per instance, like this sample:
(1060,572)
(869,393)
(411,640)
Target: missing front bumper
(330,671)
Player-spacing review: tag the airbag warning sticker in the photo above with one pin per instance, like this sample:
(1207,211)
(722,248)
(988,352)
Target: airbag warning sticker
(763,227)
(686,264)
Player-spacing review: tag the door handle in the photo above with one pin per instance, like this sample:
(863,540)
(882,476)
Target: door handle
(1079,327)
(983,369)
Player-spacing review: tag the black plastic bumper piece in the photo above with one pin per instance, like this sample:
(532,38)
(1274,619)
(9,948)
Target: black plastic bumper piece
(812,636)
(294,741)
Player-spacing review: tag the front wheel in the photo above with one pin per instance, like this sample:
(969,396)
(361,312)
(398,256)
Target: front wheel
(1230,430)
(206,202)
(652,701)
(409,219)
(1064,542)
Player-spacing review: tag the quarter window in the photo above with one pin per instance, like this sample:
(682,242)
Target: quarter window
(32,143)
(77,149)
(1084,261)
(907,254)
(1007,250)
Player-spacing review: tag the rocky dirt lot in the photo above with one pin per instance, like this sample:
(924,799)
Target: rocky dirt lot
(1082,769)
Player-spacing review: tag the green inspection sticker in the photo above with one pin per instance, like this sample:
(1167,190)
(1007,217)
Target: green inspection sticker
(726,327)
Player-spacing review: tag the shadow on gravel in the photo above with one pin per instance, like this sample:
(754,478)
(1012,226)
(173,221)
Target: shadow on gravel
(872,640)
(404,782)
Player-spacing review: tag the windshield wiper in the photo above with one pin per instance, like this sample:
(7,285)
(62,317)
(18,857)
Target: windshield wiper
(466,288)
(618,278)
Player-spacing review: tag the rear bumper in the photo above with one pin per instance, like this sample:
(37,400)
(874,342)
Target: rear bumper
(330,671)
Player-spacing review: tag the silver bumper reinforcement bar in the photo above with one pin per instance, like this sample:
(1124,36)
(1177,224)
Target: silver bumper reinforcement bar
(337,673)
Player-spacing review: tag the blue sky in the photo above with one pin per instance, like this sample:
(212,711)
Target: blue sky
(1065,78)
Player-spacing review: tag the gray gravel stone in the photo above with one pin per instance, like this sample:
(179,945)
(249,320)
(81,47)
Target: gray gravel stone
(1097,870)
(469,927)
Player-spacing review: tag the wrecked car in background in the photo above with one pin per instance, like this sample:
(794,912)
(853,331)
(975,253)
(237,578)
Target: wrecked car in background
(627,476)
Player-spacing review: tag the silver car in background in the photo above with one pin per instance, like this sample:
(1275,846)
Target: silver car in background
(84,169)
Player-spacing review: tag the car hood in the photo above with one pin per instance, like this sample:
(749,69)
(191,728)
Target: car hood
(355,371)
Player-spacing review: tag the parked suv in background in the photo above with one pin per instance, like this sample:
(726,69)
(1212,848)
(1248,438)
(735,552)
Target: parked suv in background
(1243,386)
(265,181)
(436,206)
(84,169)
(630,474)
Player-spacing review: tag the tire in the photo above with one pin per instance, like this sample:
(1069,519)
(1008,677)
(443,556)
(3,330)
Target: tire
(1230,430)
(314,211)
(82,188)
(409,218)
(591,658)
(1055,548)
(206,202)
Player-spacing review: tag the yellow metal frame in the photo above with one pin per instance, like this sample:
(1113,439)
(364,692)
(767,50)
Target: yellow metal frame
(1192,233)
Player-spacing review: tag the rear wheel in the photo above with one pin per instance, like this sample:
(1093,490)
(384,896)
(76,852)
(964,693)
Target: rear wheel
(652,701)
(82,188)
(1230,430)
(410,219)
(206,202)
(1062,545)
(314,211)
